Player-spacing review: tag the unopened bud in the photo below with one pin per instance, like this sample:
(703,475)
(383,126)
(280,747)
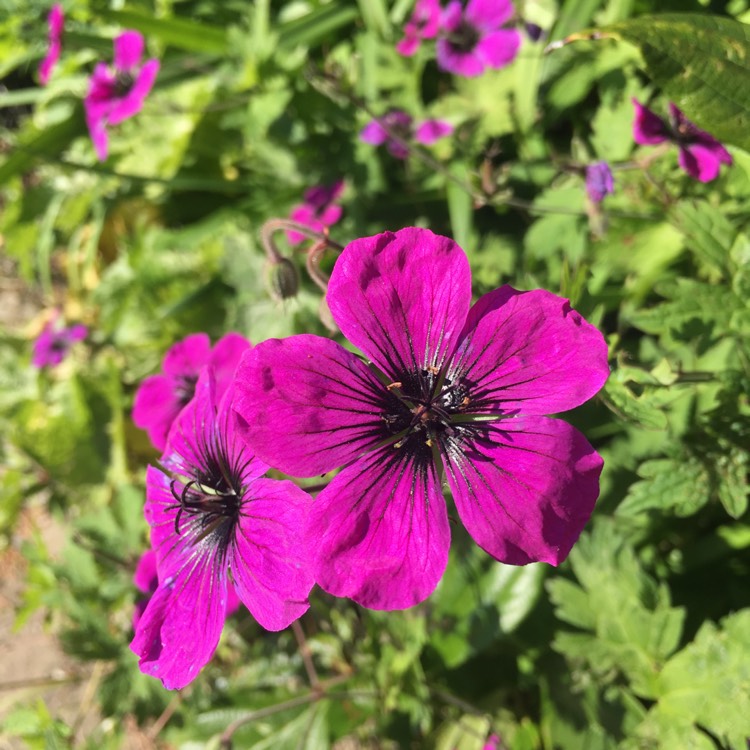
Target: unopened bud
(282,279)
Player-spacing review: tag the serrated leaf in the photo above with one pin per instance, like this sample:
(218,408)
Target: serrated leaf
(705,685)
(732,470)
(668,485)
(708,233)
(702,62)
(635,408)
(689,301)
(633,627)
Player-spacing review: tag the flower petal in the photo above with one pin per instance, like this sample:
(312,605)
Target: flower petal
(381,533)
(128,50)
(408,46)
(180,629)
(489,14)
(224,358)
(432,130)
(188,356)
(155,408)
(270,556)
(529,354)
(703,161)
(330,215)
(453,60)
(401,298)
(132,103)
(499,48)
(373,133)
(648,128)
(204,428)
(145,578)
(526,489)
(306,405)
(99,137)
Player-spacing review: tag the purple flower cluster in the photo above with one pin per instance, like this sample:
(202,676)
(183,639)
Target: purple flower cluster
(54,342)
(599,181)
(117,92)
(701,155)
(318,211)
(470,39)
(448,392)
(396,122)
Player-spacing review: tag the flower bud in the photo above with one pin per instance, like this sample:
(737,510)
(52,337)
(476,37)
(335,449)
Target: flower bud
(282,279)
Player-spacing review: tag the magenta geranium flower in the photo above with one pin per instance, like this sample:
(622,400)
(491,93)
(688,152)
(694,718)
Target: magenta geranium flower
(160,398)
(449,391)
(319,210)
(214,524)
(117,92)
(55,23)
(701,155)
(54,342)
(472,39)
(423,24)
(599,181)
(397,122)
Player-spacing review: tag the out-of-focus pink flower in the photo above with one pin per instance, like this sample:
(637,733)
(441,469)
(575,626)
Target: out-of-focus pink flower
(493,742)
(55,22)
(318,211)
(160,398)
(599,181)
(472,40)
(117,92)
(423,24)
(401,124)
(701,155)
(54,342)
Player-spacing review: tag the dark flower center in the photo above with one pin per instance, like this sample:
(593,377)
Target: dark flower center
(209,505)
(464,37)
(185,389)
(422,409)
(59,344)
(123,83)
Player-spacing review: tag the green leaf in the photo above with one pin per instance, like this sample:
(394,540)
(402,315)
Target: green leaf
(460,210)
(680,486)
(375,15)
(641,409)
(734,489)
(702,63)
(316,26)
(574,14)
(691,303)
(50,142)
(708,233)
(631,626)
(179,32)
(477,600)
(706,685)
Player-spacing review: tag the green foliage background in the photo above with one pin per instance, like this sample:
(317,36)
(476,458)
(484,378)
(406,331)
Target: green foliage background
(642,638)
